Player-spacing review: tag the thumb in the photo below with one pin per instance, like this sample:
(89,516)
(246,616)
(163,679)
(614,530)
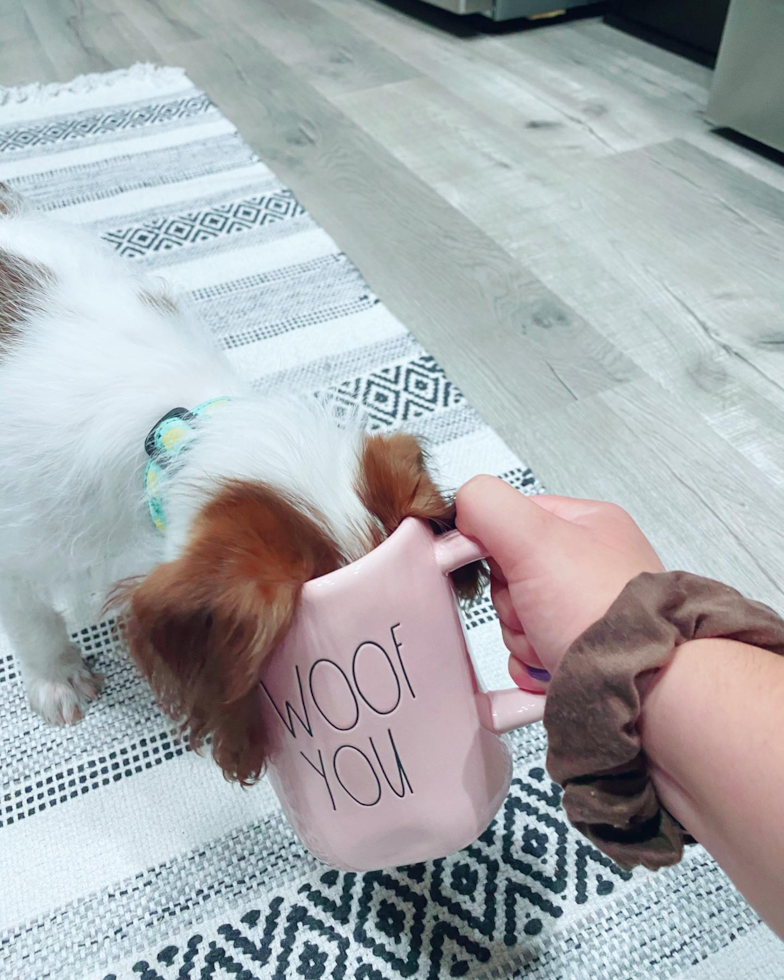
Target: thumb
(513,529)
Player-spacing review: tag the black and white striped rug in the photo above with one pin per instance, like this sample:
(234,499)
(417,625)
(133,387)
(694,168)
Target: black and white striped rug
(125,856)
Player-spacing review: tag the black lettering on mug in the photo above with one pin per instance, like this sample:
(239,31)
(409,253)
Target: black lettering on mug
(404,780)
(323,773)
(291,710)
(377,646)
(398,647)
(353,748)
(349,688)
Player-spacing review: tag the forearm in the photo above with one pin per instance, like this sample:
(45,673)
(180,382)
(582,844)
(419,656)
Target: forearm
(712,731)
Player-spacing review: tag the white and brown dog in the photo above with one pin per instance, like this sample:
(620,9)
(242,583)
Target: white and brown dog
(265,493)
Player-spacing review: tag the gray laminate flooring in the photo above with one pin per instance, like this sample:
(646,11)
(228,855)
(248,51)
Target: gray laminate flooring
(546,208)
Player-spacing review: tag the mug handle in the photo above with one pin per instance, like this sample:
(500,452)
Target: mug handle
(499,711)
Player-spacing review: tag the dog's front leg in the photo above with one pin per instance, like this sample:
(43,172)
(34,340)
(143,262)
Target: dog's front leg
(59,684)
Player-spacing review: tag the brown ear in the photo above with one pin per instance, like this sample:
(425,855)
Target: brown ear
(395,484)
(201,627)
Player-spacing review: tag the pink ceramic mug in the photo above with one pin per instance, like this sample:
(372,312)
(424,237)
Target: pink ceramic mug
(385,750)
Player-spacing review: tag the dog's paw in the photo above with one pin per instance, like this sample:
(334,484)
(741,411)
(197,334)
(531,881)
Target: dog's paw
(62,698)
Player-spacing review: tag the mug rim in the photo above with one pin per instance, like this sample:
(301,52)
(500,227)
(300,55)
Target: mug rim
(314,585)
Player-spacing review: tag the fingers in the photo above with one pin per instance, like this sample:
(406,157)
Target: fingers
(519,646)
(567,508)
(509,524)
(521,656)
(496,571)
(523,679)
(499,593)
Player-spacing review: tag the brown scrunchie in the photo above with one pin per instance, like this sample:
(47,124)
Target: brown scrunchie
(593,704)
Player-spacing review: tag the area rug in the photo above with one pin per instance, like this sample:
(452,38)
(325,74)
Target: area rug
(123,855)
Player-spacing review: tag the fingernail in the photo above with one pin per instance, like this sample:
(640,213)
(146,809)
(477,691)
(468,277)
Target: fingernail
(538,673)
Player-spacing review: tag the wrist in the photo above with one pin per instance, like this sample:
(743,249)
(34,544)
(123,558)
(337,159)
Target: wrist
(690,705)
(685,689)
(667,697)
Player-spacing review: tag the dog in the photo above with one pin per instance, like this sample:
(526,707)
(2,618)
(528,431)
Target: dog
(125,431)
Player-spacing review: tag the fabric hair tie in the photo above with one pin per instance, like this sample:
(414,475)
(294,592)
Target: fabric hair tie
(594,702)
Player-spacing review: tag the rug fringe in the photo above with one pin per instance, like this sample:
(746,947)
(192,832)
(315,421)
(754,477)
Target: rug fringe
(38,93)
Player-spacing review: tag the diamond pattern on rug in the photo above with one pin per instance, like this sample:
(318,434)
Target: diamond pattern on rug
(397,394)
(434,920)
(64,129)
(189,228)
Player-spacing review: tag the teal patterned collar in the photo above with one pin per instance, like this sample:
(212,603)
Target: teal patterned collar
(164,443)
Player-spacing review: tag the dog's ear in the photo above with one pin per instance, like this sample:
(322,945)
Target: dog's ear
(395,483)
(201,644)
(201,627)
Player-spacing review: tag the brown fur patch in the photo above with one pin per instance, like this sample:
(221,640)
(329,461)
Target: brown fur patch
(201,627)
(22,289)
(159,301)
(395,484)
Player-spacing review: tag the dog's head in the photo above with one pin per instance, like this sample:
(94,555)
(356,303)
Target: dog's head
(201,627)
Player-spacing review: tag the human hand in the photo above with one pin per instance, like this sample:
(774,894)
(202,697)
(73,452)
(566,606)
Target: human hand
(557,566)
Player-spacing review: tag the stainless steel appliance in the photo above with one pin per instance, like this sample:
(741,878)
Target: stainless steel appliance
(748,87)
(506,9)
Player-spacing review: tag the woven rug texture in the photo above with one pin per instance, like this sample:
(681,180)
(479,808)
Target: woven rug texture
(123,855)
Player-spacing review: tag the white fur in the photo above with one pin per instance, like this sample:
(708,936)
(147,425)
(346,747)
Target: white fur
(81,384)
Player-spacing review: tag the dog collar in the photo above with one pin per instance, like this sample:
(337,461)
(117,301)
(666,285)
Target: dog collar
(165,441)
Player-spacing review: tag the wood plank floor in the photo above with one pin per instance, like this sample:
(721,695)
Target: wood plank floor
(545,207)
